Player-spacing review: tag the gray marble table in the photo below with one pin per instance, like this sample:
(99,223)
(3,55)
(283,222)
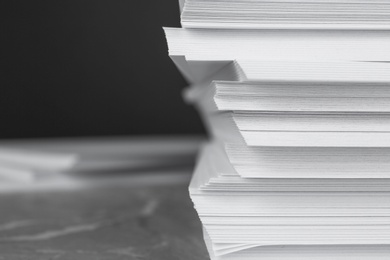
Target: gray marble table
(138,216)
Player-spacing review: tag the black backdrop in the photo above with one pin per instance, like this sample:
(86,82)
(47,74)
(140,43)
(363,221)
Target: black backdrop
(90,67)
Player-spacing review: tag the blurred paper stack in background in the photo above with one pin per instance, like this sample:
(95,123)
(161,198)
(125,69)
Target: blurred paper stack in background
(56,163)
(295,95)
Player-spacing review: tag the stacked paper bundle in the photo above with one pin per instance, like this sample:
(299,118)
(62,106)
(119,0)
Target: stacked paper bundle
(299,162)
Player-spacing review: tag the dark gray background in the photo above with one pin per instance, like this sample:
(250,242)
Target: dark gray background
(96,67)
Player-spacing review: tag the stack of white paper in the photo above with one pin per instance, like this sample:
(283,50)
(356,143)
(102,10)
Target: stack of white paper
(299,162)
(281,14)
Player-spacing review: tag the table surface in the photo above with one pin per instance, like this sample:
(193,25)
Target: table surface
(139,216)
(126,220)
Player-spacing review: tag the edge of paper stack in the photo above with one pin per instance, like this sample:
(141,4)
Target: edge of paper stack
(296,97)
